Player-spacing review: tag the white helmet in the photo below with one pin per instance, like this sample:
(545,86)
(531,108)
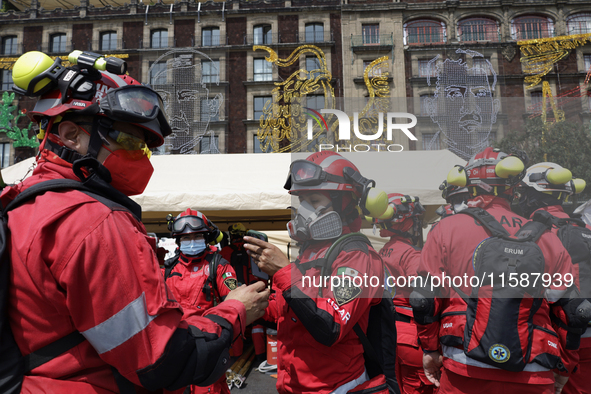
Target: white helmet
(550,177)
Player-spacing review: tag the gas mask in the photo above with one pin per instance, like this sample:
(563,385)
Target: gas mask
(314,224)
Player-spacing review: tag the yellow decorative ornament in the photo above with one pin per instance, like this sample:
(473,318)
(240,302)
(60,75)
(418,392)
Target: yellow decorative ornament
(283,125)
(539,55)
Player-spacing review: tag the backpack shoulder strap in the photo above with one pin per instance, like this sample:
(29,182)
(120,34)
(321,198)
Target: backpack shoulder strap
(169,265)
(487,220)
(533,230)
(335,249)
(210,287)
(40,188)
(64,184)
(213,272)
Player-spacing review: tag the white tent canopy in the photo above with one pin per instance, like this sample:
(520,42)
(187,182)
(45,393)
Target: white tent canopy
(249,187)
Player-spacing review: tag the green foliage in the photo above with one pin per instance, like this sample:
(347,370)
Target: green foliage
(566,143)
(8,124)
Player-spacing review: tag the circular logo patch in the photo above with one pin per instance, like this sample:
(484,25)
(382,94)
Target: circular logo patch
(499,353)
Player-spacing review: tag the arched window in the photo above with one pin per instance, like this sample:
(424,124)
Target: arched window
(9,46)
(57,43)
(424,31)
(109,41)
(531,27)
(579,23)
(478,29)
(210,36)
(262,35)
(159,38)
(314,32)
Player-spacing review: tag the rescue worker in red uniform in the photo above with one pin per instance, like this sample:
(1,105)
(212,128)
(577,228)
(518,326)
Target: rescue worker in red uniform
(236,254)
(83,263)
(440,312)
(546,186)
(318,351)
(401,257)
(189,273)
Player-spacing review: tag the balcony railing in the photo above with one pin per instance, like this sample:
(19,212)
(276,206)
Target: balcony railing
(57,49)
(317,37)
(423,36)
(12,50)
(479,32)
(372,41)
(530,31)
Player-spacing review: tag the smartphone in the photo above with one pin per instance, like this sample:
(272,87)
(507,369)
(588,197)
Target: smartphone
(256,271)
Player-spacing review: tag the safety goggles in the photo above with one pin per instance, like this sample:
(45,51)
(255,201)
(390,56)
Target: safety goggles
(306,173)
(133,104)
(193,222)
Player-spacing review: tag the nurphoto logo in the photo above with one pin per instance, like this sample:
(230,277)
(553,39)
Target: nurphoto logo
(344,133)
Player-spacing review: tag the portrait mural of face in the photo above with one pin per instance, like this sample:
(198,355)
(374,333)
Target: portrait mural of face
(463,105)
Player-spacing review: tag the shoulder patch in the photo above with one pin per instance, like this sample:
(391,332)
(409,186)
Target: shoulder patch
(347,291)
(231,283)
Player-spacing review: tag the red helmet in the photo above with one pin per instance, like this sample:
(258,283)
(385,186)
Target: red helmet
(326,171)
(488,172)
(84,89)
(194,222)
(452,194)
(406,209)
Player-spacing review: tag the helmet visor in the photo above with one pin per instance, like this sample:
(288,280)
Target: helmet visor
(193,223)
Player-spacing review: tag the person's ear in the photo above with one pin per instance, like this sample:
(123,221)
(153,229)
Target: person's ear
(71,135)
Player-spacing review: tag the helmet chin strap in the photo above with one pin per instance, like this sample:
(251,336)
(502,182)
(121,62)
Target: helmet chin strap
(100,128)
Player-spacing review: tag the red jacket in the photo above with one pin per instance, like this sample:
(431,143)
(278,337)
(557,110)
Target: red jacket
(187,281)
(449,249)
(317,349)
(558,211)
(402,260)
(80,265)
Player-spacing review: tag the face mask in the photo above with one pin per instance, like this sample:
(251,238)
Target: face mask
(311,224)
(129,176)
(193,247)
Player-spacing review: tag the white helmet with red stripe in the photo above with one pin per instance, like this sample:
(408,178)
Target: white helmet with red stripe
(323,171)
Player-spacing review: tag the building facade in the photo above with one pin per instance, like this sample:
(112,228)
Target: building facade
(210,61)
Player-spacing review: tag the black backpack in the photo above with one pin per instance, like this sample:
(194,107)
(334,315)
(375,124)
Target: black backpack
(379,343)
(576,238)
(13,365)
(493,334)
(210,287)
